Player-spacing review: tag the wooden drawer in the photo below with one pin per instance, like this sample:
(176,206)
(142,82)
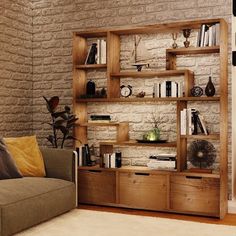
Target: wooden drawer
(195,194)
(96,186)
(143,190)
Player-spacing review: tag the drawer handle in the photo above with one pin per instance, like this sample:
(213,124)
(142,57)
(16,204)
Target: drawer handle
(97,171)
(146,174)
(193,177)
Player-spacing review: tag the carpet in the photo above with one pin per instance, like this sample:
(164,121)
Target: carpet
(96,223)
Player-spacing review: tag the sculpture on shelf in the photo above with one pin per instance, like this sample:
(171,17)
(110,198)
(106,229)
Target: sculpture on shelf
(174,37)
(186,33)
(61,121)
(139,63)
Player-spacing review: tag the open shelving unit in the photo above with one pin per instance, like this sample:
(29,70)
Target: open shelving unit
(172,191)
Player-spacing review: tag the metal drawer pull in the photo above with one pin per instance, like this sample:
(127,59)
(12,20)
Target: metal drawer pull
(137,173)
(97,171)
(193,177)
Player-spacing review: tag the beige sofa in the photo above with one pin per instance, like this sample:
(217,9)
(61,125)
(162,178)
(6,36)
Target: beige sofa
(27,201)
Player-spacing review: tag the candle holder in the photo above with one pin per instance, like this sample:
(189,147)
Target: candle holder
(186,33)
(174,37)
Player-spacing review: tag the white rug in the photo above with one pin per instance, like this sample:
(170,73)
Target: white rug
(95,223)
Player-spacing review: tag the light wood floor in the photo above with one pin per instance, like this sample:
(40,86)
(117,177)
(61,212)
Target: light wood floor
(230,219)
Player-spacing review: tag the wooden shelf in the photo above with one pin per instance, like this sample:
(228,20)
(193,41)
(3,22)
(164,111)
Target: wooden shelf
(146,169)
(149,74)
(130,100)
(202,136)
(135,143)
(99,124)
(194,50)
(91,66)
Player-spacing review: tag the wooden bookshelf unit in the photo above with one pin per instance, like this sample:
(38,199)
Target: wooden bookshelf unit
(139,187)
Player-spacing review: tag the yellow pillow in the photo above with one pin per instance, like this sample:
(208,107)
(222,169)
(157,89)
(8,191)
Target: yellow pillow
(26,153)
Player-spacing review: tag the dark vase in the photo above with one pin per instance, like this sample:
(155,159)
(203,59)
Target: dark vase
(90,88)
(210,88)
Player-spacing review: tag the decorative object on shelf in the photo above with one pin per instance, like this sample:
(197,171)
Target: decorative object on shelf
(139,66)
(91,56)
(126,91)
(141,94)
(196,91)
(139,63)
(234,57)
(61,121)
(186,33)
(201,154)
(90,88)
(210,88)
(174,37)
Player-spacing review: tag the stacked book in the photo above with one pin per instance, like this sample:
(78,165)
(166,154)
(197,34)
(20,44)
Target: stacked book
(98,51)
(162,161)
(208,35)
(192,122)
(168,89)
(100,118)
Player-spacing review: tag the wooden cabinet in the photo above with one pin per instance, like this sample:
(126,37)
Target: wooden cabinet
(96,186)
(205,193)
(143,190)
(195,194)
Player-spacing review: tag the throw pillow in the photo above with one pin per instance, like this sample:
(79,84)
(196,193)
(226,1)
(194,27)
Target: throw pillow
(26,153)
(8,167)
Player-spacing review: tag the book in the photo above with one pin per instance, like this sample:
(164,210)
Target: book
(203,124)
(163,90)
(98,57)
(180,89)
(100,117)
(168,88)
(103,51)
(174,91)
(183,116)
(210,36)
(202,35)
(113,160)
(156,90)
(217,34)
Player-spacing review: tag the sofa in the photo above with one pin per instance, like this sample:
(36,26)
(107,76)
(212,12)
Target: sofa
(28,201)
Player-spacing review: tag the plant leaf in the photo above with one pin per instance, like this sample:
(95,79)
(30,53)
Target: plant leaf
(58,123)
(53,103)
(50,138)
(59,114)
(63,129)
(67,109)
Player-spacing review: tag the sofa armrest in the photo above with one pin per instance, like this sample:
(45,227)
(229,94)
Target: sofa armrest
(59,163)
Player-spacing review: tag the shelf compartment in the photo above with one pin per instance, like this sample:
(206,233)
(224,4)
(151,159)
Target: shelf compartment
(194,50)
(130,100)
(91,66)
(202,136)
(149,74)
(135,143)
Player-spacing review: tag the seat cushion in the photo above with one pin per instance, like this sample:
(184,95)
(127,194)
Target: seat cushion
(31,200)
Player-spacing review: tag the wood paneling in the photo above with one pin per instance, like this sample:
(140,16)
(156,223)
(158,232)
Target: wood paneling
(195,194)
(143,190)
(97,186)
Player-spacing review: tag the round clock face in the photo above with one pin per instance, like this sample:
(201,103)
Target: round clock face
(196,91)
(125,91)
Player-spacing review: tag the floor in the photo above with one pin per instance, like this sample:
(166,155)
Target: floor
(230,219)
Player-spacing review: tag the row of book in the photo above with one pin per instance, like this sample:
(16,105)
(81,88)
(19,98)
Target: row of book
(112,160)
(162,162)
(97,53)
(168,89)
(192,122)
(208,35)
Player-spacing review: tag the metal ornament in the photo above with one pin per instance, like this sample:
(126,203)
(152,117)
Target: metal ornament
(201,153)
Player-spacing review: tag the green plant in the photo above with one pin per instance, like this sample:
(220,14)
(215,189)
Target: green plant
(61,121)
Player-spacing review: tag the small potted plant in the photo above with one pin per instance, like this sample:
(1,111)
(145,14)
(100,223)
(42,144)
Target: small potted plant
(61,123)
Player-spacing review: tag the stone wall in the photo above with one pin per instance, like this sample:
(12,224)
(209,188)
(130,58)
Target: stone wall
(53,24)
(16,94)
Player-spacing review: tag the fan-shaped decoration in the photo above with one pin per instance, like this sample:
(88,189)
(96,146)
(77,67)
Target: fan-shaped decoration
(201,153)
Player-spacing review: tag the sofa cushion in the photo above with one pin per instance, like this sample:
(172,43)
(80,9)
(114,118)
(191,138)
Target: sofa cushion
(31,200)
(8,167)
(27,155)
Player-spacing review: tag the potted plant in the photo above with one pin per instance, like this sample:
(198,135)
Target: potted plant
(61,123)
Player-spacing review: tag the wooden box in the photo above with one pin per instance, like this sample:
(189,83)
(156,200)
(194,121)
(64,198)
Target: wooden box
(96,186)
(143,190)
(195,194)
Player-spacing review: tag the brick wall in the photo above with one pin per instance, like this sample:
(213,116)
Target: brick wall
(53,24)
(16,67)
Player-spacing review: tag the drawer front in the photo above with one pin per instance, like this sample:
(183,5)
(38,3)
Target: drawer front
(195,194)
(143,191)
(96,186)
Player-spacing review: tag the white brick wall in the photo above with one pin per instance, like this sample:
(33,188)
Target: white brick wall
(53,24)
(16,95)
